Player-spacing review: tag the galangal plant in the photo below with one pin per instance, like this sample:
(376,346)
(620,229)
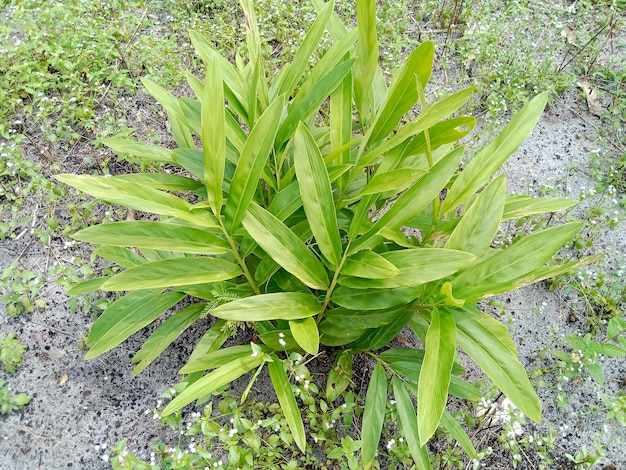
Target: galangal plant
(320,215)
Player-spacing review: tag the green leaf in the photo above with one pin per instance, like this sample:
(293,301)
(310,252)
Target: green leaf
(488,343)
(369,265)
(479,224)
(156,236)
(213,134)
(366,53)
(374,299)
(213,357)
(139,149)
(119,255)
(479,170)
(403,91)
(340,375)
(306,334)
(284,246)
(173,272)
(89,285)
(210,341)
(408,422)
(523,206)
(136,196)
(316,194)
(393,181)
(163,181)
(287,401)
(435,374)
(373,415)
(449,423)
(498,273)
(165,334)
(417,266)
(126,316)
(276,306)
(213,381)
(251,162)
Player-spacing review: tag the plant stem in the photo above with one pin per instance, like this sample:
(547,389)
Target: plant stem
(333,283)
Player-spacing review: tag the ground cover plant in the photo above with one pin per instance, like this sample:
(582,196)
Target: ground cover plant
(319,215)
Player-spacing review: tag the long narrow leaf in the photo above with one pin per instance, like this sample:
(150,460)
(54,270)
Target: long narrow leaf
(373,415)
(408,421)
(316,194)
(435,374)
(126,316)
(173,272)
(284,247)
(367,53)
(275,306)
(287,401)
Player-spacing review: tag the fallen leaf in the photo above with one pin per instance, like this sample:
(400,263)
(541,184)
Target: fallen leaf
(63,379)
(593,101)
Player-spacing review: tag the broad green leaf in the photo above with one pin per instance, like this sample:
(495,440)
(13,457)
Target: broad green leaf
(479,170)
(450,424)
(374,299)
(136,196)
(306,334)
(123,256)
(300,62)
(392,181)
(522,206)
(340,375)
(369,265)
(156,236)
(417,266)
(173,272)
(285,247)
(499,272)
(253,158)
(287,401)
(163,181)
(126,316)
(414,199)
(139,149)
(214,358)
(279,340)
(373,415)
(435,374)
(488,343)
(316,194)
(408,422)
(213,134)
(403,91)
(479,224)
(366,53)
(311,102)
(213,381)
(165,334)
(276,306)
(89,285)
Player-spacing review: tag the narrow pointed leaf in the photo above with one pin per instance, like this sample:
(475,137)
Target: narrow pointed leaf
(488,343)
(367,50)
(287,402)
(392,181)
(479,224)
(316,194)
(522,206)
(276,306)
(214,358)
(408,422)
(139,149)
(213,381)
(213,135)
(306,334)
(374,299)
(119,255)
(156,236)
(369,265)
(163,181)
(210,341)
(285,247)
(251,163)
(173,272)
(126,316)
(373,415)
(165,334)
(450,424)
(498,273)
(435,374)
(89,285)
(490,158)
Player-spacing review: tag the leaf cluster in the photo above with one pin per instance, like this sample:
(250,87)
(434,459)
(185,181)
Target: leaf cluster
(326,219)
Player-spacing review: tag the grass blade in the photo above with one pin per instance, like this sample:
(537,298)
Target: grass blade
(373,415)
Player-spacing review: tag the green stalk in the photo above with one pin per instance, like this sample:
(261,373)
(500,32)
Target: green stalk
(333,284)
(240,260)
